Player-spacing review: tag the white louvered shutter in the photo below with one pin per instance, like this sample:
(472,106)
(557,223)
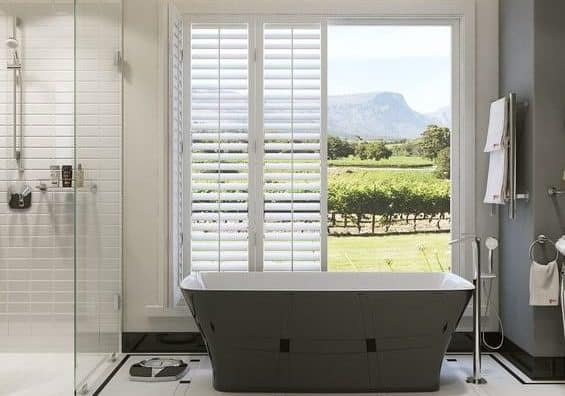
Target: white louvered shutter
(176,138)
(219,135)
(292,135)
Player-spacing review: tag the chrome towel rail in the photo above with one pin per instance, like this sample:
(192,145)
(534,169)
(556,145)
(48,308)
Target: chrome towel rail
(513,194)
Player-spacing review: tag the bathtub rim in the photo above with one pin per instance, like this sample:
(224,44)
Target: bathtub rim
(451,282)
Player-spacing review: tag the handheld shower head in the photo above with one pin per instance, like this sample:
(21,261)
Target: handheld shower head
(491,243)
(12,43)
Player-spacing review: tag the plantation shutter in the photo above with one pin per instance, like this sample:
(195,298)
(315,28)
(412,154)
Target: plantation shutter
(219,132)
(176,138)
(292,135)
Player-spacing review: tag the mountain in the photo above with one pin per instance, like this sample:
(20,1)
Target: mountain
(441,116)
(379,115)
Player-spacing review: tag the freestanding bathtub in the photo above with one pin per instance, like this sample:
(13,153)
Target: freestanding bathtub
(326,332)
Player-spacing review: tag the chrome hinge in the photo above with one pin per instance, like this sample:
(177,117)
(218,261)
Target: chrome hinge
(118,59)
(254,54)
(181,147)
(181,237)
(182,55)
(117,302)
(83,389)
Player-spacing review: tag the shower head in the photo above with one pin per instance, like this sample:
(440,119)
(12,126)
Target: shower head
(491,243)
(12,43)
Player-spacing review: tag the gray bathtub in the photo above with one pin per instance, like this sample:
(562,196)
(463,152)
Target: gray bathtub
(326,332)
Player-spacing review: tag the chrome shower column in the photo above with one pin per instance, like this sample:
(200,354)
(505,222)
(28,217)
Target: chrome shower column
(14,64)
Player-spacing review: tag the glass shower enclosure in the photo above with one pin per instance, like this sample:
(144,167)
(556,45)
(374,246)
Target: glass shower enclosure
(60,193)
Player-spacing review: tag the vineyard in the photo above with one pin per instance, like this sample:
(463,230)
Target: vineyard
(372,202)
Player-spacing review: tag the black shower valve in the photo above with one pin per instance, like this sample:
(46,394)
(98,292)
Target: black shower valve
(19,198)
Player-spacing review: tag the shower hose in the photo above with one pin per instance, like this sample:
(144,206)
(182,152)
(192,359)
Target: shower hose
(487,308)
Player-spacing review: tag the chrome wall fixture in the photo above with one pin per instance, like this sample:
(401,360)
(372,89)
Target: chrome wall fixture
(15,64)
(513,194)
(554,191)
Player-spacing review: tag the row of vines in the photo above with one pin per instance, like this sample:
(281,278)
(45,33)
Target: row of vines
(384,198)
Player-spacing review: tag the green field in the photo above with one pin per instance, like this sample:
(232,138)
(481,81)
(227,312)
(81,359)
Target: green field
(390,253)
(392,162)
(363,175)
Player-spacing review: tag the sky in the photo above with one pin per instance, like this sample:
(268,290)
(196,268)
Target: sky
(412,60)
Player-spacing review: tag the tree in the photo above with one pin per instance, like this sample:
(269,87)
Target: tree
(434,139)
(443,167)
(373,150)
(379,150)
(339,148)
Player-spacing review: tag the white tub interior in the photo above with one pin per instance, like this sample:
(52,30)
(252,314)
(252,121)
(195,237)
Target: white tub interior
(325,281)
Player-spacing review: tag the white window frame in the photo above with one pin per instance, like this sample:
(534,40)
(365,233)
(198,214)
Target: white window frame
(460,15)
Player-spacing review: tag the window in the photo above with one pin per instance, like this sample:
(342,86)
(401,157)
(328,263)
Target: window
(259,175)
(389,124)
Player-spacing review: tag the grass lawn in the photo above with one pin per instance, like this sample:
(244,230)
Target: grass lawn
(390,253)
(382,175)
(392,162)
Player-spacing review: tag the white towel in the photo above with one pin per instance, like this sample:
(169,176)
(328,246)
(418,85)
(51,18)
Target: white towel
(498,159)
(497,174)
(497,125)
(544,284)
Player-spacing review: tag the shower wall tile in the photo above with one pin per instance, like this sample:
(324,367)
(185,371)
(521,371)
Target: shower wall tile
(37,265)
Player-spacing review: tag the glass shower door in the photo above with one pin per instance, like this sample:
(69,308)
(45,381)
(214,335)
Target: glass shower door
(97,175)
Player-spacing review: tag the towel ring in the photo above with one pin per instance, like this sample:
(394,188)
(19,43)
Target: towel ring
(542,240)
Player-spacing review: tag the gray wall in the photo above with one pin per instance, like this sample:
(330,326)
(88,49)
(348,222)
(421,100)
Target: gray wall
(532,64)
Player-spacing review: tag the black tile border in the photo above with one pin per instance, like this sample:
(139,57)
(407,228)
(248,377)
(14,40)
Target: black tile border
(535,368)
(109,378)
(163,343)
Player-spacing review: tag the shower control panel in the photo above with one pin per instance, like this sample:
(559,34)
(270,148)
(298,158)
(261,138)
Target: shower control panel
(19,198)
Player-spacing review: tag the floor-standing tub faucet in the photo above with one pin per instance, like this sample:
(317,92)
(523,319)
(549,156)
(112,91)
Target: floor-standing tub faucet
(476,378)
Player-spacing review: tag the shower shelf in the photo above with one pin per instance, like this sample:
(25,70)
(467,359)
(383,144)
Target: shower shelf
(44,187)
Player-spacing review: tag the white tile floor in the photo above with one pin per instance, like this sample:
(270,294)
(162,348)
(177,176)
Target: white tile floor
(34,374)
(500,382)
(47,374)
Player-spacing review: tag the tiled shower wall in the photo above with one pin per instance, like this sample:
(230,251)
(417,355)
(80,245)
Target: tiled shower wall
(37,267)
(36,245)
